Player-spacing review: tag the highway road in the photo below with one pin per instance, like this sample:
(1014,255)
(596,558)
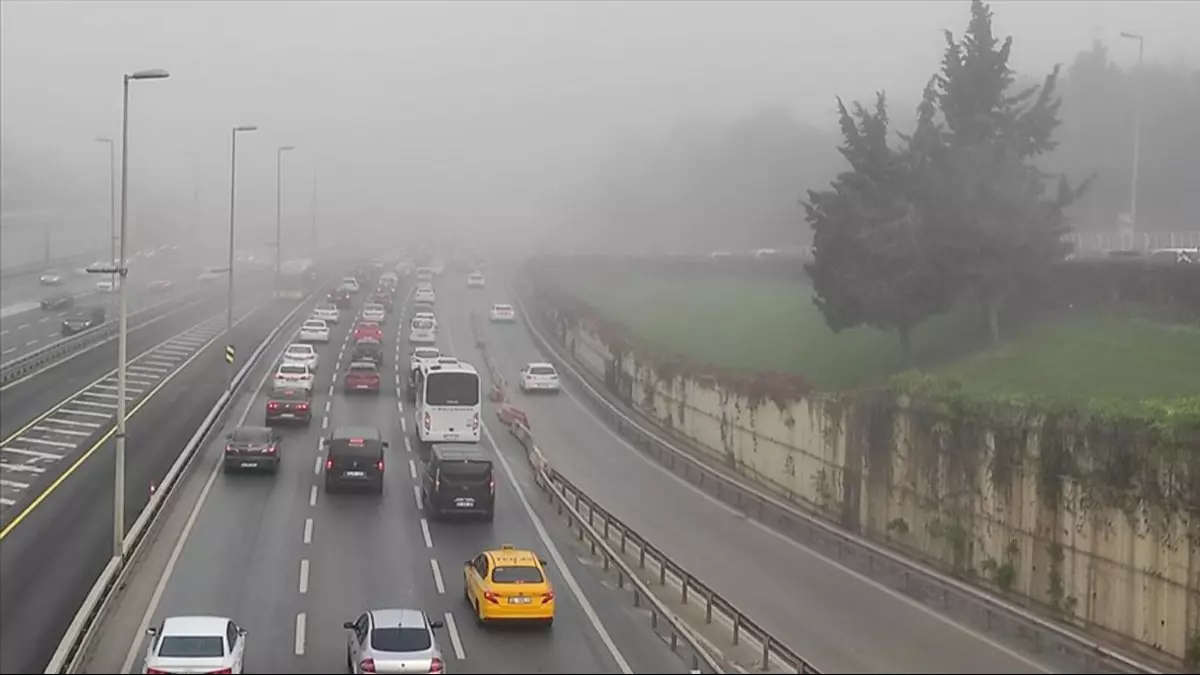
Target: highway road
(54,545)
(291,563)
(840,621)
(25,327)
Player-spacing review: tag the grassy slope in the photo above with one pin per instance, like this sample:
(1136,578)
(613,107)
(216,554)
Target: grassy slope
(774,326)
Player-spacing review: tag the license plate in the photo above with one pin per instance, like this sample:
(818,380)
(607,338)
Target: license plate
(287,415)
(356,474)
(518,601)
(451,436)
(362,386)
(249,464)
(464,502)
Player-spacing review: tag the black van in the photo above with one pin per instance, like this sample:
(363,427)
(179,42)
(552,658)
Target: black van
(458,480)
(354,458)
(82,319)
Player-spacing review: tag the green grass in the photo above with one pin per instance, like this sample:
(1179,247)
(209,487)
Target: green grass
(773,326)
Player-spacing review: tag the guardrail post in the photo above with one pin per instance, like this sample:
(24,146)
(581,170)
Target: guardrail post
(642,556)
(737,628)
(766,653)
(662,573)
(624,539)
(683,589)
(708,607)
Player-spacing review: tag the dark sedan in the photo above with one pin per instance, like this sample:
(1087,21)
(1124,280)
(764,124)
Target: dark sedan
(82,319)
(58,301)
(289,406)
(252,448)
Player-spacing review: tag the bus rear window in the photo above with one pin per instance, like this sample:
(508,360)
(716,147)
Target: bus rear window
(452,389)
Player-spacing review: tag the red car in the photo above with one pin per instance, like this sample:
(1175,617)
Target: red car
(362,376)
(368,330)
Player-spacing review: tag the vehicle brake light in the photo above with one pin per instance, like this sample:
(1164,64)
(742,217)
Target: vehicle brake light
(379,465)
(492,597)
(356,441)
(271,449)
(492,485)
(435,666)
(301,406)
(273,405)
(228,448)
(155,671)
(328,464)
(223,671)
(367,665)
(548,596)
(427,421)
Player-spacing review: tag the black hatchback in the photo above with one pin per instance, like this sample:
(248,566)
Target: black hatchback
(458,480)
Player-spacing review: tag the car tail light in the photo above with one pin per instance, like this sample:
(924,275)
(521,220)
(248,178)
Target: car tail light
(328,464)
(271,449)
(492,485)
(273,406)
(155,671)
(475,422)
(367,665)
(435,666)
(379,465)
(492,597)
(427,421)
(301,406)
(548,596)
(228,448)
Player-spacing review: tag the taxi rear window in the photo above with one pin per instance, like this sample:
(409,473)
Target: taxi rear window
(517,575)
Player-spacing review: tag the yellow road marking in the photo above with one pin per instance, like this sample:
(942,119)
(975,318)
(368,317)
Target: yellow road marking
(109,434)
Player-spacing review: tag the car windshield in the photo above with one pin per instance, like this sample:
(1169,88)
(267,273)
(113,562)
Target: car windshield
(363,367)
(289,395)
(517,575)
(426,353)
(293,369)
(542,370)
(191,646)
(400,640)
(373,308)
(454,389)
(251,435)
(319,325)
(422,324)
(300,350)
(502,308)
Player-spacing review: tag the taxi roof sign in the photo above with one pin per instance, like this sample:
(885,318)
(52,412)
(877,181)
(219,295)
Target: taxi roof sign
(508,547)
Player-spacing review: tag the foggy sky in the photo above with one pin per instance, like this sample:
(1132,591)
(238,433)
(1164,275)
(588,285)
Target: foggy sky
(471,117)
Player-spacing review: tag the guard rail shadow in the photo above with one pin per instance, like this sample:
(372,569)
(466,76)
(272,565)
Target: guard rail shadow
(953,597)
(582,514)
(76,641)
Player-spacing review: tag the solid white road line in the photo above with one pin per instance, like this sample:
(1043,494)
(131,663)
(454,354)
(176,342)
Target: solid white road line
(455,640)
(437,576)
(412,469)
(425,533)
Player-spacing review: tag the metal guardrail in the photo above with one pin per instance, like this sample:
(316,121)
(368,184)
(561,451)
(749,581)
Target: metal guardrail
(567,497)
(26,364)
(82,630)
(917,580)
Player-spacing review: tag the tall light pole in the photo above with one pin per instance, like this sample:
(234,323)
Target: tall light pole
(279,211)
(112,202)
(1139,77)
(313,228)
(232,220)
(123,313)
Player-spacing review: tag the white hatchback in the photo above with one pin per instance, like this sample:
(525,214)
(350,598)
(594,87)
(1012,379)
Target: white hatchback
(293,376)
(374,312)
(195,644)
(539,377)
(502,313)
(422,332)
(300,352)
(327,313)
(314,330)
(425,295)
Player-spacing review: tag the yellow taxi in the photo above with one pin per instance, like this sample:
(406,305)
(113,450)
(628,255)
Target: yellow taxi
(508,585)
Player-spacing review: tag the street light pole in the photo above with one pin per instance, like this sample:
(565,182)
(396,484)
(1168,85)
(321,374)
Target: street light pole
(232,220)
(279,211)
(1139,78)
(112,202)
(123,315)
(313,231)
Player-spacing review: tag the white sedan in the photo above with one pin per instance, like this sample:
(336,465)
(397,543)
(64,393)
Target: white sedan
(425,295)
(327,313)
(293,376)
(374,312)
(301,352)
(503,313)
(195,644)
(314,330)
(539,376)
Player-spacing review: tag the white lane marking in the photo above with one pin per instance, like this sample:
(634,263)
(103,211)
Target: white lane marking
(148,369)
(425,532)
(51,336)
(13,484)
(324,422)
(404,425)
(455,640)
(308,525)
(156,598)
(328,403)
(301,622)
(317,466)
(312,496)
(417,495)
(23,326)
(85,413)
(31,453)
(32,343)
(74,423)
(63,432)
(400,407)
(21,467)
(44,319)
(8,351)
(57,444)
(407,445)
(557,557)
(331,394)
(3,332)
(412,468)
(5,501)
(303,576)
(437,576)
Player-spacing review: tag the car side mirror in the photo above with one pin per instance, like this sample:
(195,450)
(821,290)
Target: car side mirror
(436,624)
(387,444)
(542,562)
(242,632)
(151,632)
(348,625)
(468,563)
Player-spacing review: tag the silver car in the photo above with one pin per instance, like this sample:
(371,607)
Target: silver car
(393,641)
